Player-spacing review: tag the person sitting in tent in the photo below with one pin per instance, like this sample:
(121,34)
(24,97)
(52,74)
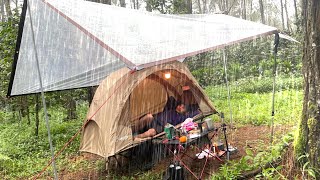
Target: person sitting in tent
(189,100)
(155,123)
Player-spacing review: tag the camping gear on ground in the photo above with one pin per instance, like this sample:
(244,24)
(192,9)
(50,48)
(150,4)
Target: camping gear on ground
(179,175)
(204,127)
(232,150)
(174,172)
(179,151)
(189,126)
(205,153)
(200,125)
(194,133)
(220,146)
(183,139)
(223,126)
(169,131)
(209,123)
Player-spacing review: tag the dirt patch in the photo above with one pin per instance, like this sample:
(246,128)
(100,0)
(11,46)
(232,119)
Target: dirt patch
(255,136)
(241,137)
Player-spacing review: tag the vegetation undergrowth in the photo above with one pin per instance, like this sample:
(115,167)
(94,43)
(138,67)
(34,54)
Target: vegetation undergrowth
(251,101)
(251,161)
(22,154)
(29,153)
(140,176)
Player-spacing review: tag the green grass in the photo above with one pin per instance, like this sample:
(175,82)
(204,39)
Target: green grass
(255,107)
(22,154)
(234,168)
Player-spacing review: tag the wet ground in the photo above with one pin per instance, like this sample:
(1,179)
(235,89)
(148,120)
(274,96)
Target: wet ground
(253,137)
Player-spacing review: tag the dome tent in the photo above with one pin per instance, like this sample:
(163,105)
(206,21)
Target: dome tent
(133,94)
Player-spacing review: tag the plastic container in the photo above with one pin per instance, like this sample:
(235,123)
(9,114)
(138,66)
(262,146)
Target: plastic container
(209,123)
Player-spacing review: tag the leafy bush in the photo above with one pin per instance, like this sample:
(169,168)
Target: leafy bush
(265,84)
(22,154)
(308,172)
(251,101)
(256,109)
(233,169)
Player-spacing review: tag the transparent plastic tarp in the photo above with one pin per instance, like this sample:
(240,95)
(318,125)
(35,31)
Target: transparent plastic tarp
(79,42)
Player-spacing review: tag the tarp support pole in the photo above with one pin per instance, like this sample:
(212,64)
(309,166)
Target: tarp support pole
(42,94)
(275,51)
(227,83)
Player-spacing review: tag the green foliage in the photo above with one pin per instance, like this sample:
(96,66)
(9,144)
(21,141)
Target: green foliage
(251,161)
(8,35)
(22,154)
(168,6)
(308,172)
(141,176)
(251,101)
(250,59)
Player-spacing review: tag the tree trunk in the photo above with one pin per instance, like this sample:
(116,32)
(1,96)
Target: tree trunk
(287,15)
(148,6)
(199,6)
(296,15)
(243,9)
(24,107)
(2,11)
(263,20)
(105,2)
(122,3)
(37,109)
(189,6)
(308,140)
(101,1)
(133,2)
(204,9)
(251,10)
(226,5)
(8,8)
(91,92)
(28,114)
(71,107)
(282,15)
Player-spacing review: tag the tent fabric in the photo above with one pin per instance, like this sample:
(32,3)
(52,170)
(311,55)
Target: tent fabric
(68,58)
(123,97)
(79,42)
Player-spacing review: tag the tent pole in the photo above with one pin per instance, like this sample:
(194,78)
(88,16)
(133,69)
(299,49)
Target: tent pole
(227,82)
(42,94)
(275,51)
